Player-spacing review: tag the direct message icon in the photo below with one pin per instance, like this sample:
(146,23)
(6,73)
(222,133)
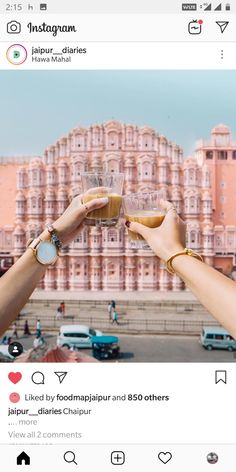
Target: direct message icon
(61,376)
(164,457)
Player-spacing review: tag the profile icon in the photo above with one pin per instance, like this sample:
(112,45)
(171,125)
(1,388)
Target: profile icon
(13,27)
(212,458)
(15,349)
(16,54)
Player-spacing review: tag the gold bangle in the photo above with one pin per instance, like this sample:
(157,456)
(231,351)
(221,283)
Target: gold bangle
(185,252)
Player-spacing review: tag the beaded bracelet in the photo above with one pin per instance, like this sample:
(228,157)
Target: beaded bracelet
(54,236)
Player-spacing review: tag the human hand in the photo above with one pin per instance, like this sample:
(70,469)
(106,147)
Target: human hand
(168,238)
(70,223)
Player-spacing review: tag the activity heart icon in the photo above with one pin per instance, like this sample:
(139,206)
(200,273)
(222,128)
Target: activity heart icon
(15,377)
(165,457)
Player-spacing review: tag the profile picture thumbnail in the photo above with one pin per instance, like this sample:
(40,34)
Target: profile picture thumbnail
(212,458)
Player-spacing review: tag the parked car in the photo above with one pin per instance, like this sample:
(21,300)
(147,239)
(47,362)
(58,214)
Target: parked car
(4,351)
(105,347)
(217,338)
(76,336)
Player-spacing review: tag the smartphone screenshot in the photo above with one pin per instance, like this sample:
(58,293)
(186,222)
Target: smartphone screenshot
(117,235)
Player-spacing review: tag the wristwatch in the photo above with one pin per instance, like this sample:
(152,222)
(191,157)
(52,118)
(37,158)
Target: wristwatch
(45,252)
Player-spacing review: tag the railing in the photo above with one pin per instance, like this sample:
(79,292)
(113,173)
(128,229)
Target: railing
(123,305)
(125,326)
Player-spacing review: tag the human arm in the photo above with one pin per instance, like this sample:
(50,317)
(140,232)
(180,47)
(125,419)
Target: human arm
(21,279)
(213,289)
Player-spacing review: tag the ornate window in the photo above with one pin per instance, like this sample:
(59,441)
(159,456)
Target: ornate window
(222,155)
(209,154)
(219,240)
(112,236)
(193,238)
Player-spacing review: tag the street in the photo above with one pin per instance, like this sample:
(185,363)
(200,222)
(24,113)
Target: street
(162,348)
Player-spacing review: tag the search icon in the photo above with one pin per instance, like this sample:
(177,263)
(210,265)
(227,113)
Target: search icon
(69,457)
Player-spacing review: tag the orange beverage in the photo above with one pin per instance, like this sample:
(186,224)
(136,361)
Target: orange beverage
(109,211)
(150,218)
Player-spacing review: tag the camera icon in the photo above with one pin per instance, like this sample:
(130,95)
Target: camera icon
(13,27)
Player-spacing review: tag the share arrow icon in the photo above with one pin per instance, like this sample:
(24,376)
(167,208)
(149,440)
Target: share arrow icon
(61,376)
(223,25)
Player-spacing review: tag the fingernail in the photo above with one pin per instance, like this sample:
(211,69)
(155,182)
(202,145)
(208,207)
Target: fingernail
(104,200)
(127,223)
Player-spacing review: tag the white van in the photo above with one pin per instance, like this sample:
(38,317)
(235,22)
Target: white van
(76,336)
(217,338)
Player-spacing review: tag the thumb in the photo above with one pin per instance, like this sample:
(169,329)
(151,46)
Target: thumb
(95,204)
(138,228)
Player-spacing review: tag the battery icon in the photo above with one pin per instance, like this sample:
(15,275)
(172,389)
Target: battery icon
(227,6)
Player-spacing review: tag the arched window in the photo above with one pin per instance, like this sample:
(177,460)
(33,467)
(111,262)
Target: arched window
(111,270)
(112,165)
(147,170)
(113,140)
(112,236)
(219,241)
(193,238)
(192,203)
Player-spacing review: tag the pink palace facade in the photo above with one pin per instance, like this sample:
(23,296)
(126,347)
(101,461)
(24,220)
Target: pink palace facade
(202,187)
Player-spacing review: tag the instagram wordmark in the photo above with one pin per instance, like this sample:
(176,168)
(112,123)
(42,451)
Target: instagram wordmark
(54,29)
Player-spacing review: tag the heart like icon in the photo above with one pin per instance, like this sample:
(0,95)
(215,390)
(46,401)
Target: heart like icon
(165,457)
(15,377)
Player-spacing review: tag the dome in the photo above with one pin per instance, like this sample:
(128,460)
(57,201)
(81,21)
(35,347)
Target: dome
(50,194)
(206,195)
(162,162)
(175,167)
(18,231)
(207,228)
(34,193)
(113,125)
(193,225)
(163,139)
(62,193)
(190,162)
(21,170)
(20,196)
(36,162)
(62,163)
(221,129)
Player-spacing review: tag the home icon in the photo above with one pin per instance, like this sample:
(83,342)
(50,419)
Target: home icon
(23,459)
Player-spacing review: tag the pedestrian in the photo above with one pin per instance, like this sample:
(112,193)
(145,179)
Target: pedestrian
(113,304)
(109,309)
(26,328)
(38,341)
(63,308)
(4,340)
(59,312)
(38,328)
(115,317)
(14,332)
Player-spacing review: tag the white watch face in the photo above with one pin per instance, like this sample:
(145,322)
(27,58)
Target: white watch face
(46,252)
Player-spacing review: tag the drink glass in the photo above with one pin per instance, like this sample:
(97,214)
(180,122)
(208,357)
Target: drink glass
(143,208)
(100,185)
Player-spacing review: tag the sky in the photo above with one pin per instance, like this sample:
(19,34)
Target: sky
(38,107)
